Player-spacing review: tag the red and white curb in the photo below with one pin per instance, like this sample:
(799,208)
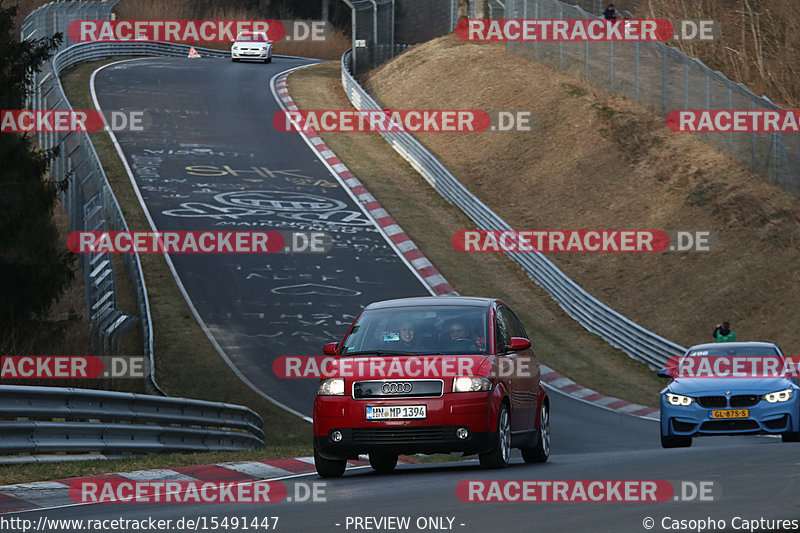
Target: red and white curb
(47,494)
(404,244)
(556,381)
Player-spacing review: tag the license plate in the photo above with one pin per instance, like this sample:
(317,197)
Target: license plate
(396,411)
(731,413)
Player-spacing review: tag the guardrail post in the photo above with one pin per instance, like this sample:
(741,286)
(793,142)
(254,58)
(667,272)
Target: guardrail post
(636,71)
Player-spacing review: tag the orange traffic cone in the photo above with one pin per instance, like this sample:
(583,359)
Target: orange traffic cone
(193,52)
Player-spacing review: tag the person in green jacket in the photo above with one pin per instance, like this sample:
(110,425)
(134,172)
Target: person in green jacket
(723,333)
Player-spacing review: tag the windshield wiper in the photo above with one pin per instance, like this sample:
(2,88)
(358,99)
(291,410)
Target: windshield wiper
(379,353)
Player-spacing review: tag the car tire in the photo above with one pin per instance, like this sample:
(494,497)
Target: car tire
(268,60)
(675,442)
(382,463)
(329,467)
(500,453)
(541,452)
(791,436)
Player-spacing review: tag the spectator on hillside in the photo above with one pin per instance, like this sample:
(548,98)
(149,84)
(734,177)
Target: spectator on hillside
(610,13)
(723,333)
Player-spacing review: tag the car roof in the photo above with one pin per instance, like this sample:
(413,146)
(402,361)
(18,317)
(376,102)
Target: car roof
(449,301)
(751,344)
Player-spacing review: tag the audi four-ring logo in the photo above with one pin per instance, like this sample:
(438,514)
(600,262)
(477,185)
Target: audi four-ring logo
(396,388)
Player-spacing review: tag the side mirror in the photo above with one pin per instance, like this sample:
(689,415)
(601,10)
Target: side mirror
(518,344)
(331,348)
(663,373)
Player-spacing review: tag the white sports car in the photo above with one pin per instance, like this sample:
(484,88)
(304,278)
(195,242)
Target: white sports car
(252,45)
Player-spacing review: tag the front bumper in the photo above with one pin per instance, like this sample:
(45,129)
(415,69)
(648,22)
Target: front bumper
(695,421)
(250,54)
(435,434)
(433,439)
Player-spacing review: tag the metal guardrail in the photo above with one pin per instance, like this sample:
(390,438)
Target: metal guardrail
(51,420)
(638,342)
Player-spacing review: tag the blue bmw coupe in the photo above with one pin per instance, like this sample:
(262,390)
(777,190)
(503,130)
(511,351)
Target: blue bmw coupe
(729,392)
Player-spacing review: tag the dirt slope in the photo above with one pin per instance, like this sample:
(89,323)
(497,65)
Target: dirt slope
(596,161)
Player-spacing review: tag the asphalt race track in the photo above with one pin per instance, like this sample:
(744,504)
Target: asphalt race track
(755,477)
(210,159)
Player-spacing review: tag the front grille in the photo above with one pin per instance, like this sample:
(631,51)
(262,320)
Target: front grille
(404,434)
(431,388)
(712,402)
(744,400)
(729,425)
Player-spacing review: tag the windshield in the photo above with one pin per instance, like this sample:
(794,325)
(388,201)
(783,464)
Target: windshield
(251,37)
(443,330)
(730,362)
(723,351)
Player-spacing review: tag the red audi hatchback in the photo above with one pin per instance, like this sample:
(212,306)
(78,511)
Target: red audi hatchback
(431,375)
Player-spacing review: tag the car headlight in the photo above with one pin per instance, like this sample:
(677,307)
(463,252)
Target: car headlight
(235,46)
(678,399)
(779,396)
(471,384)
(331,387)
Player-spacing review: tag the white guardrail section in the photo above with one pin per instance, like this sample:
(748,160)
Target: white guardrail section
(638,342)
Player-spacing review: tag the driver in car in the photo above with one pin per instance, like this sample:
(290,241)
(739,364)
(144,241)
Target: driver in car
(458,335)
(458,330)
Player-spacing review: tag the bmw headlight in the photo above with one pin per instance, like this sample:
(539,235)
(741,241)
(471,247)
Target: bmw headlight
(331,387)
(779,396)
(471,384)
(678,399)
